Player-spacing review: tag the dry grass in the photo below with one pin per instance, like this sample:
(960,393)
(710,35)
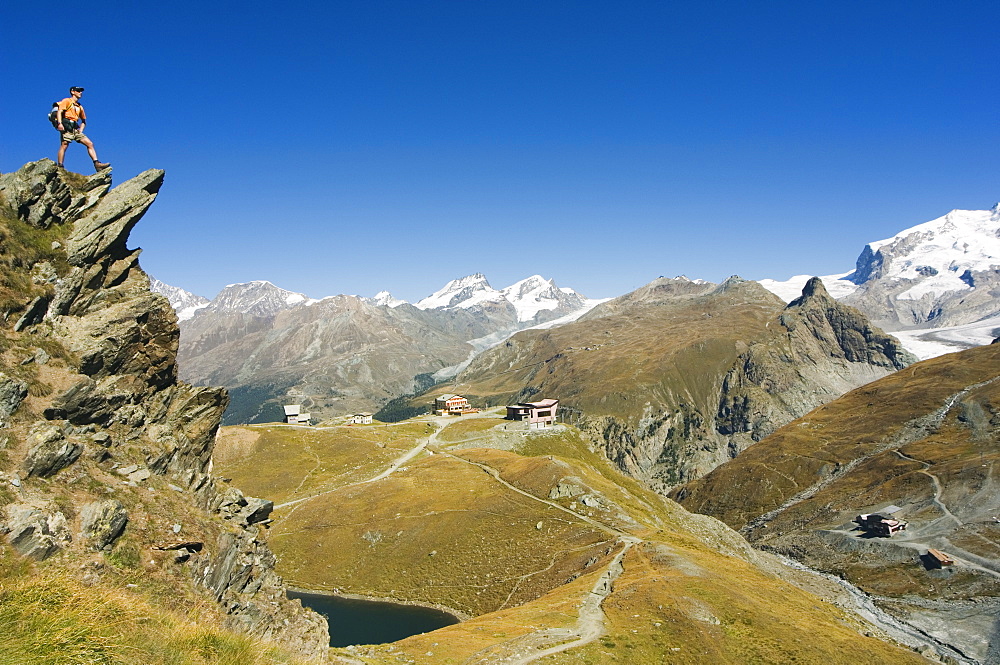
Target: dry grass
(442,531)
(48,618)
(285,463)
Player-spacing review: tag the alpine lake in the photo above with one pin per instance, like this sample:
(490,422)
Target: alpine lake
(354,621)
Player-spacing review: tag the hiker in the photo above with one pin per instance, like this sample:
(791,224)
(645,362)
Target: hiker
(70,121)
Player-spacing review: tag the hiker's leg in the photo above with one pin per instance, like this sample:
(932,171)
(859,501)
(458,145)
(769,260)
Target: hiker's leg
(62,152)
(90,148)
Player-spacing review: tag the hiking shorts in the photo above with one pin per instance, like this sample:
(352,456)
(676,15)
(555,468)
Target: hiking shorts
(73,135)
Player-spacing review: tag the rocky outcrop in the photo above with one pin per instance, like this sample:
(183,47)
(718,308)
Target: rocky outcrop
(811,352)
(34,532)
(50,451)
(114,410)
(829,349)
(12,393)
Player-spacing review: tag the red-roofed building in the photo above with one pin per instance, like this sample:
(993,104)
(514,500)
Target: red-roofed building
(452,405)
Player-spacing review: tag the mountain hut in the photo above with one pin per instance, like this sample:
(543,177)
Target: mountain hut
(452,405)
(538,415)
(879,525)
(294,415)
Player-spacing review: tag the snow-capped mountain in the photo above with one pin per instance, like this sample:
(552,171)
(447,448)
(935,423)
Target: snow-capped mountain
(532,299)
(385,299)
(939,258)
(465,292)
(936,257)
(939,276)
(259,298)
(184,302)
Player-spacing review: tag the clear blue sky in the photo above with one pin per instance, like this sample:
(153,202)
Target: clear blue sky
(349,147)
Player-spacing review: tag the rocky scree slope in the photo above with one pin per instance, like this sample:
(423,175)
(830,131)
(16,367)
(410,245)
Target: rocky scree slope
(678,377)
(925,439)
(102,448)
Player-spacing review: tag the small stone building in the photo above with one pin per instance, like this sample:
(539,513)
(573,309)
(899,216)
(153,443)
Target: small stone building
(879,525)
(538,415)
(294,415)
(360,419)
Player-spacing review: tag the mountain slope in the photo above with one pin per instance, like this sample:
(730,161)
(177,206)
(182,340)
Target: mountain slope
(678,376)
(924,439)
(105,456)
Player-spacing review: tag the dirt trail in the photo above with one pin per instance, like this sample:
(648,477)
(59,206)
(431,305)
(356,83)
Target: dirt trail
(392,468)
(589,624)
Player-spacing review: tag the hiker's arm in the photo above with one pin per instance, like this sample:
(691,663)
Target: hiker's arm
(59,117)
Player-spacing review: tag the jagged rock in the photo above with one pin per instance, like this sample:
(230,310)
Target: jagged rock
(232,505)
(34,533)
(124,396)
(50,451)
(39,194)
(102,522)
(241,570)
(34,314)
(12,393)
(104,230)
(256,510)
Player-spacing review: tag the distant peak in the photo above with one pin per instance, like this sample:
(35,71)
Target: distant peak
(814,289)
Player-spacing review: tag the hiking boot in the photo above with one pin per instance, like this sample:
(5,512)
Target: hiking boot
(100,166)
(60,166)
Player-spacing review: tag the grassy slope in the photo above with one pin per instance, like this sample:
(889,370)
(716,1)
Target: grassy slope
(490,559)
(659,352)
(49,618)
(849,428)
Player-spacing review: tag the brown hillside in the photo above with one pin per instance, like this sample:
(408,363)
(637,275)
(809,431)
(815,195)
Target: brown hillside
(926,439)
(677,377)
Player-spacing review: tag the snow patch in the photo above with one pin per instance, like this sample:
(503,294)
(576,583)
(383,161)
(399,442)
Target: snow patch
(791,288)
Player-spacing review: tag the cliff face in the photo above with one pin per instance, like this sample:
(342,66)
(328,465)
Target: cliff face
(102,445)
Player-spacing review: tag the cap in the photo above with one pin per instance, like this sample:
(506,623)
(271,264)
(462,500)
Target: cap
(76,88)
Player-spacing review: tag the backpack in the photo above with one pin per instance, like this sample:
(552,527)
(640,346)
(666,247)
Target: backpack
(68,125)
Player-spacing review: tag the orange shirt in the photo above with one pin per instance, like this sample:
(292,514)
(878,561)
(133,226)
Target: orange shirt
(72,110)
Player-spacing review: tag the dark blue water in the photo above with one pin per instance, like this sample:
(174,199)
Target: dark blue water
(372,622)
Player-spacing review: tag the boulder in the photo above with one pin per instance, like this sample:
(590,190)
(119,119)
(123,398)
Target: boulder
(50,451)
(35,533)
(12,393)
(102,522)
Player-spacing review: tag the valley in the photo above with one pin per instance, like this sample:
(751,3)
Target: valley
(547,551)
